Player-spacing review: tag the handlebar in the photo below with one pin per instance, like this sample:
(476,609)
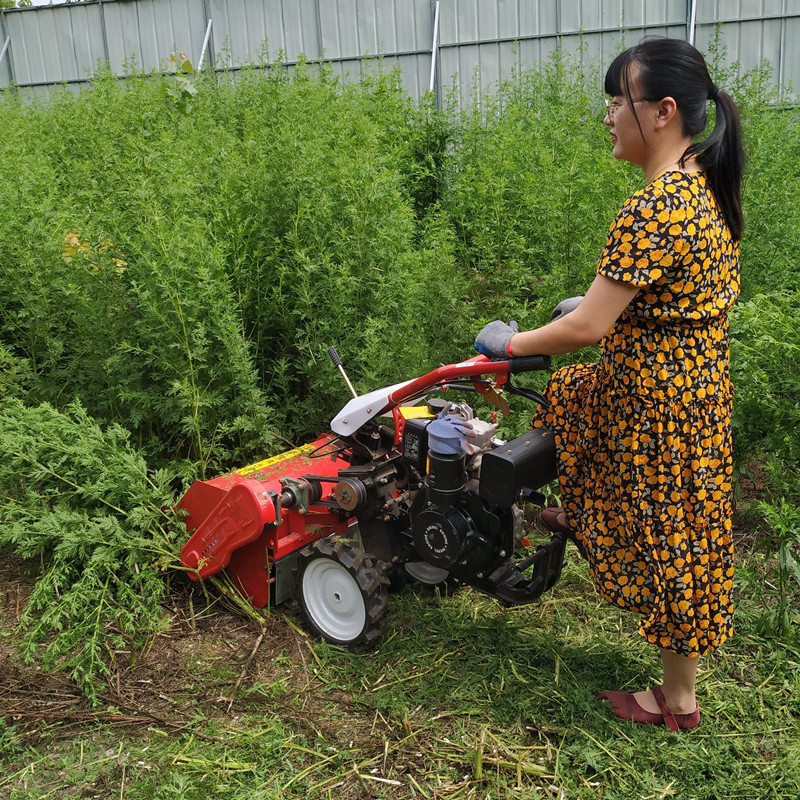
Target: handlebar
(519,364)
(474,368)
(363,408)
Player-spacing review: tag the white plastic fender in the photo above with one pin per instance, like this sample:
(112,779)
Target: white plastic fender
(362,409)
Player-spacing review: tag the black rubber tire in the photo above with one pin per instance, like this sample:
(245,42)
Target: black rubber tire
(345,569)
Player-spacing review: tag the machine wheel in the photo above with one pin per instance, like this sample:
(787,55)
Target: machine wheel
(342,592)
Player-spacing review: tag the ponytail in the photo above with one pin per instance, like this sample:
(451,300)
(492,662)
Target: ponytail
(722,157)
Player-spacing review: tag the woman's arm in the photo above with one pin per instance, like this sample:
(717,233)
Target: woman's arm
(587,324)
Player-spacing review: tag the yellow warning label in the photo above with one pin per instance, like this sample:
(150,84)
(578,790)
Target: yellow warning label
(298,451)
(415,412)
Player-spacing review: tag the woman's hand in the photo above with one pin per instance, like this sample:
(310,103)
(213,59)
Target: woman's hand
(493,340)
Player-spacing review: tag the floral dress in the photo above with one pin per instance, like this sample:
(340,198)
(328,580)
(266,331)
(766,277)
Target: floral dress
(643,436)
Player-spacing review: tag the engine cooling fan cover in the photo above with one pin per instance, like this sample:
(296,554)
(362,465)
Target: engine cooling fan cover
(443,535)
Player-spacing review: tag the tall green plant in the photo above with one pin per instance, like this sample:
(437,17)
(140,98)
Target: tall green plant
(534,189)
(772,176)
(117,288)
(326,245)
(766,371)
(782,539)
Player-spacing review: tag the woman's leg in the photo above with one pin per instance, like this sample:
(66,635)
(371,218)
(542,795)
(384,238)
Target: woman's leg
(680,674)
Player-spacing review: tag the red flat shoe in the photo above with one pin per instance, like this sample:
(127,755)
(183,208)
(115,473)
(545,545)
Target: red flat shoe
(625,706)
(549,518)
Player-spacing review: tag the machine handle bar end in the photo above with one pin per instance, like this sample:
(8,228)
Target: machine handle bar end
(519,364)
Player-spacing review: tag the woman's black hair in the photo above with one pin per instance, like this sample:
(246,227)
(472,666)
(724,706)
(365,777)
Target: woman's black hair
(674,68)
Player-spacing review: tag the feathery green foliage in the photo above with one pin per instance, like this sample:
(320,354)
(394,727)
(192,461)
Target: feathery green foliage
(82,500)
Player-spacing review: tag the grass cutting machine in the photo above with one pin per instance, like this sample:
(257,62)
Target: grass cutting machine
(434,496)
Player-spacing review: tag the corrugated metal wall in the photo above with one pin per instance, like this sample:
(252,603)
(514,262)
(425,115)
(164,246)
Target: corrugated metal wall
(482,40)
(478,40)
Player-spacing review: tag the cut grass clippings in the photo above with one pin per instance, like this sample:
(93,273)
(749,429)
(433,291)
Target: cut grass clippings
(462,699)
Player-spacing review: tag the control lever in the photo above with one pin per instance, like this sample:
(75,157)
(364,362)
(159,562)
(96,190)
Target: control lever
(337,362)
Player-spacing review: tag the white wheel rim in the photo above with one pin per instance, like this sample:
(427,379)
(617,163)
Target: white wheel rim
(333,600)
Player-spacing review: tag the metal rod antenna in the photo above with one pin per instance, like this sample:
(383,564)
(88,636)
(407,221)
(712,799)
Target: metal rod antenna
(337,362)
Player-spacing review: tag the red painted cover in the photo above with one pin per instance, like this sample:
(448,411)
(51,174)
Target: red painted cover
(234,513)
(239,518)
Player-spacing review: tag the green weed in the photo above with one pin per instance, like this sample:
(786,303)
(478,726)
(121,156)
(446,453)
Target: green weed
(82,500)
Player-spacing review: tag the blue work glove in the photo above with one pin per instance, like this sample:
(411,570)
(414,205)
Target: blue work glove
(565,307)
(493,340)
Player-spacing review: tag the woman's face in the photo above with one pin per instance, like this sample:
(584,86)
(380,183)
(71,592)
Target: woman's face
(628,136)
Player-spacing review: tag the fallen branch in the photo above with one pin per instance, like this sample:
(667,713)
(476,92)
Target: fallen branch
(244,669)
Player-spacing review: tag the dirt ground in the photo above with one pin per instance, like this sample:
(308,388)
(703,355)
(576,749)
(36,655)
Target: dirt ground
(198,663)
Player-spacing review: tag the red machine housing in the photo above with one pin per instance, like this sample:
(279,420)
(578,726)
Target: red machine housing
(239,524)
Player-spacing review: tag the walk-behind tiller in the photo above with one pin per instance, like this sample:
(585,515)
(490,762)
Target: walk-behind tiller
(434,497)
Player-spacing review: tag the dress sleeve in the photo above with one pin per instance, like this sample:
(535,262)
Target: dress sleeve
(645,241)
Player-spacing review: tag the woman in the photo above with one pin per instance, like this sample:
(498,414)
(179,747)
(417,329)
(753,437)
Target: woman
(643,435)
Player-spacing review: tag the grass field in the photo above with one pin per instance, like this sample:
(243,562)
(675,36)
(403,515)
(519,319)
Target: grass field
(461,699)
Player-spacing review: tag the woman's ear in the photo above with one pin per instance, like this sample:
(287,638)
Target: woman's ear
(667,110)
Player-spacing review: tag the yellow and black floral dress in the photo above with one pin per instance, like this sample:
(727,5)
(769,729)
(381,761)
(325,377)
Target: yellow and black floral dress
(643,436)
